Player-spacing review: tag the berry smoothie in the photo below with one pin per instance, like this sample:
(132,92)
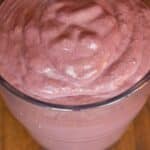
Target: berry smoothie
(72,53)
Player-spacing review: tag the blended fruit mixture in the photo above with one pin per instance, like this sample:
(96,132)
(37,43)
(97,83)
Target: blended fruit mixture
(72,51)
(75,52)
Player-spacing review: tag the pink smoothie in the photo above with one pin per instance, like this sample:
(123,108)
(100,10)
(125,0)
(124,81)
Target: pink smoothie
(64,50)
(75,52)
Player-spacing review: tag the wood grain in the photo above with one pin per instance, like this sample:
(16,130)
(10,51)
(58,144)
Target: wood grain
(1,125)
(13,136)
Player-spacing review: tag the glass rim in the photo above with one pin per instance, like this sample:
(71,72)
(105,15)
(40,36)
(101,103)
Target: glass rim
(62,107)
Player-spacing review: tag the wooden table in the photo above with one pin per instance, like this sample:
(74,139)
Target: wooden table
(14,137)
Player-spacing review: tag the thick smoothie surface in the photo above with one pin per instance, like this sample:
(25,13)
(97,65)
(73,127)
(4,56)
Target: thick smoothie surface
(72,51)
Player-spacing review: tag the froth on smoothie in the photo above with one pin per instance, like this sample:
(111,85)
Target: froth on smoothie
(74,52)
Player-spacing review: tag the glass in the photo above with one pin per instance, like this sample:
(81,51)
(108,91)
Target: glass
(93,126)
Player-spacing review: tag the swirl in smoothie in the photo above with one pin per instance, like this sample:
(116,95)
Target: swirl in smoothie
(73,52)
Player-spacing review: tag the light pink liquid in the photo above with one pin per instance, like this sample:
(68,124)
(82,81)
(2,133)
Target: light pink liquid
(75,52)
(95,129)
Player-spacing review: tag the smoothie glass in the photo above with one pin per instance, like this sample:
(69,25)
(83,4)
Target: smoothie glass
(93,126)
